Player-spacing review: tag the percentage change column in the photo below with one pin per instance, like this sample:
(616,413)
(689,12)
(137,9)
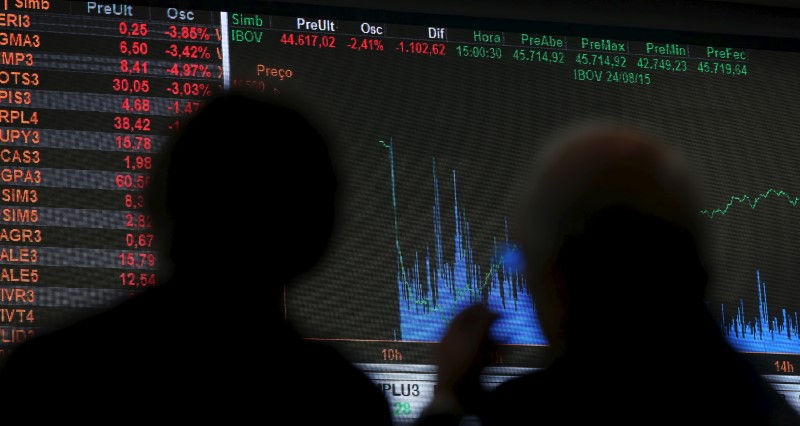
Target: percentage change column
(194,61)
(173,63)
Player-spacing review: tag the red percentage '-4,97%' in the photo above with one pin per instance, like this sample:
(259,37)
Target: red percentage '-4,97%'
(190,70)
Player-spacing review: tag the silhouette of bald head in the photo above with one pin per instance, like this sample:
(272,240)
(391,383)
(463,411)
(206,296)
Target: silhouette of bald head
(611,234)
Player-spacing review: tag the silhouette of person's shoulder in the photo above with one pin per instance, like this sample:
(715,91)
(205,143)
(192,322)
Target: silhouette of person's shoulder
(178,345)
(716,387)
(103,360)
(323,384)
(136,324)
(150,355)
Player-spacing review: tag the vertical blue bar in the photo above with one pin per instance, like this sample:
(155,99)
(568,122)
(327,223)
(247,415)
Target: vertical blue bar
(762,333)
(226,57)
(451,283)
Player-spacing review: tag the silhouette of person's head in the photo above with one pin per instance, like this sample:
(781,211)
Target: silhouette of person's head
(612,239)
(246,189)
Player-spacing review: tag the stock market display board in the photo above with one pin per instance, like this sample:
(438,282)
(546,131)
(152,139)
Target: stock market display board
(436,122)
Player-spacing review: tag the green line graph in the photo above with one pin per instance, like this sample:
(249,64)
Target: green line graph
(750,201)
(460,293)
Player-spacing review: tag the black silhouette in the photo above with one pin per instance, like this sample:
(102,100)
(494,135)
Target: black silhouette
(242,203)
(616,263)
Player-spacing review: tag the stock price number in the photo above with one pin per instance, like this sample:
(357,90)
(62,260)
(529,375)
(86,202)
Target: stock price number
(137,260)
(139,124)
(132,67)
(535,55)
(674,65)
(138,221)
(133,48)
(310,40)
(593,59)
(130,86)
(136,105)
(722,68)
(138,162)
(402,408)
(135,143)
(139,240)
(132,279)
(134,201)
(129,181)
(134,29)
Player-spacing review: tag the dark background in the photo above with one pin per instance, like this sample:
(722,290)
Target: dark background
(489,120)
